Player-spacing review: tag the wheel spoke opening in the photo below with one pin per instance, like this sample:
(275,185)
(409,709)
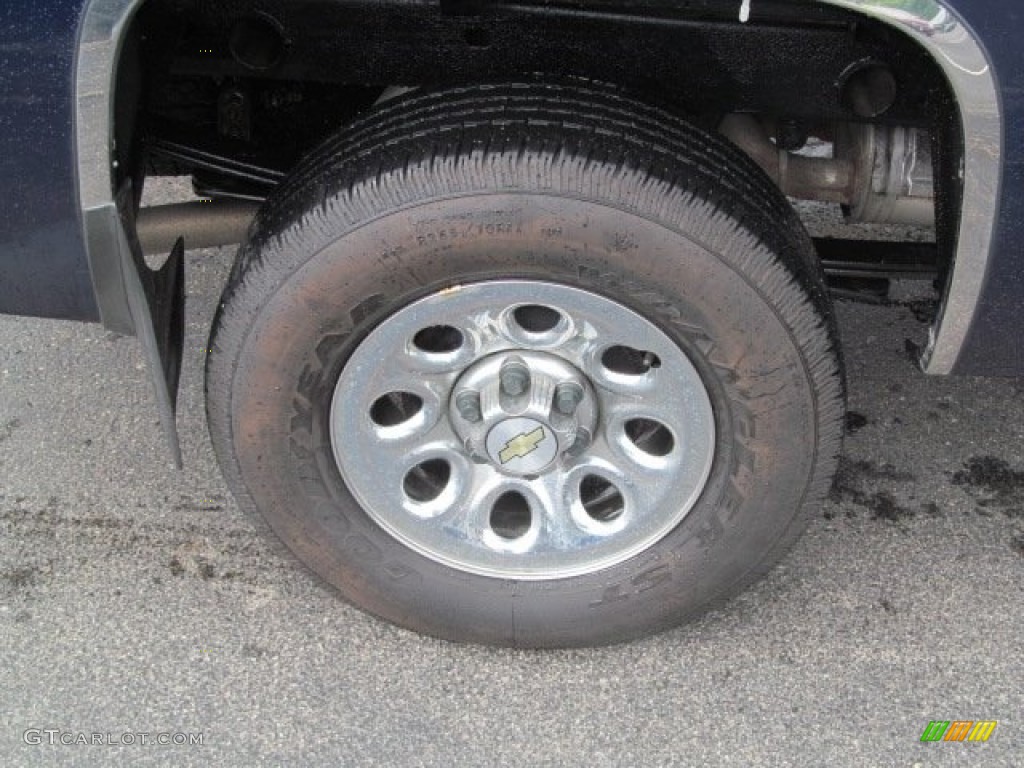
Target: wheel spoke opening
(651,437)
(395,408)
(438,339)
(601,500)
(536,318)
(427,480)
(511,517)
(629,361)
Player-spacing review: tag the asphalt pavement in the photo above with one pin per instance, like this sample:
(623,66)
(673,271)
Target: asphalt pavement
(138,604)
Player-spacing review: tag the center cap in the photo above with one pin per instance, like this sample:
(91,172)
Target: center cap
(522,445)
(521,410)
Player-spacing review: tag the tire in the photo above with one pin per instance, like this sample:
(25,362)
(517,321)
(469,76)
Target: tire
(528,365)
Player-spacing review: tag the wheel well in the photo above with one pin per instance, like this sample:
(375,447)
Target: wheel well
(235,93)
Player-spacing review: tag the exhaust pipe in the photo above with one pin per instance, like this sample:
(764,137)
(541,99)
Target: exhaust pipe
(210,224)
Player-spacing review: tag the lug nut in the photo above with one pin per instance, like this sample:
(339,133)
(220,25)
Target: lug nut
(468,405)
(515,378)
(567,397)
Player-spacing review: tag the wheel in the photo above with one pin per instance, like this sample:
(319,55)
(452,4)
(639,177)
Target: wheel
(527,365)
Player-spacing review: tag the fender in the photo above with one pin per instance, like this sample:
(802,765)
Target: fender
(970,74)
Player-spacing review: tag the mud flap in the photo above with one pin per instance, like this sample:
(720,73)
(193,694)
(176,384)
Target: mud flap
(156,302)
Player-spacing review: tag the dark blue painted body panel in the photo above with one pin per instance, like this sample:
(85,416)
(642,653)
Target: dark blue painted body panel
(43,264)
(994,344)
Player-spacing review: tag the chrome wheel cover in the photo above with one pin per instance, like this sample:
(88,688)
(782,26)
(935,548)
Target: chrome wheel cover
(522,429)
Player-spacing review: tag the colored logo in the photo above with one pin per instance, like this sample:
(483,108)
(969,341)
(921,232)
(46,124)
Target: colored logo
(959,730)
(521,445)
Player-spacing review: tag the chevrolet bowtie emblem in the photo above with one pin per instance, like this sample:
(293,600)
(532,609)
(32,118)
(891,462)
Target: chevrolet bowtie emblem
(521,445)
